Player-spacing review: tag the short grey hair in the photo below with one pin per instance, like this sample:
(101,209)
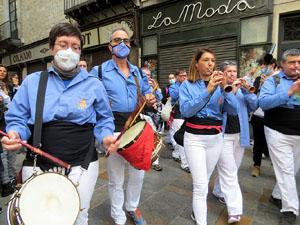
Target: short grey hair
(115,30)
(290,52)
(227,63)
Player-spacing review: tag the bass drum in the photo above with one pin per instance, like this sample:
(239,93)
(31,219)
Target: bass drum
(46,199)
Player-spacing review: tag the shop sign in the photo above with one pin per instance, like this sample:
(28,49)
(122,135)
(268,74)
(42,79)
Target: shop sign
(197,11)
(90,38)
(40,51)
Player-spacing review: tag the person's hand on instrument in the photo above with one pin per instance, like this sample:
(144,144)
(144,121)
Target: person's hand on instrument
(12,142)
(109,142)
(150,100)
(216,79)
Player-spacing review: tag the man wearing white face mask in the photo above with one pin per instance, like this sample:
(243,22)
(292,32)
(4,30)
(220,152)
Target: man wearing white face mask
(76,109)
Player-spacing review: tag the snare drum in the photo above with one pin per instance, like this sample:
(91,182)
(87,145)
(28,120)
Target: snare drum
(158,143)
(49,199)
(137,145)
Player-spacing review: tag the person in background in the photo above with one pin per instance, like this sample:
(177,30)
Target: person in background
(9,175)
(76,109)
(166,96)
(236,138)
(280,99)
(260,148)
(202,103)
(83,63)
(150,113)
(13,83)
(178,154)
(249,78)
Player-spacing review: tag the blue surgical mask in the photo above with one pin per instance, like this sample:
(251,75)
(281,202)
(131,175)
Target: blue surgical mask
(121,50)
(264,71)
(172,81)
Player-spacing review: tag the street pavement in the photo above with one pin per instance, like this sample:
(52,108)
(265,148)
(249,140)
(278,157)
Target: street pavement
(167,196)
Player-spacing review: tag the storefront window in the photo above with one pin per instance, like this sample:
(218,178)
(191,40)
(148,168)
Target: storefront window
(150,45)
(151,64)
(254,30)
(249,60)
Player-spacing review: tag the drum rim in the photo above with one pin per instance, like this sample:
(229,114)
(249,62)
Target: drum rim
(137,137)
(15,199)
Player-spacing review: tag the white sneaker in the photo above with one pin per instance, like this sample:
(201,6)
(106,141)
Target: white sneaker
(234,219)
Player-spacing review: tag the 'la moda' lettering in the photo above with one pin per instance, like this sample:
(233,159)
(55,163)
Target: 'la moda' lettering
(190,10)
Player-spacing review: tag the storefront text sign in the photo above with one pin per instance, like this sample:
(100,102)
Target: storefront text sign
(189,11)
(40,51)
(90,38)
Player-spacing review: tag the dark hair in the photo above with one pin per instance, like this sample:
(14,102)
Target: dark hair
(64,29)
(178,71)
(83,59)
(193,73)
(10,76)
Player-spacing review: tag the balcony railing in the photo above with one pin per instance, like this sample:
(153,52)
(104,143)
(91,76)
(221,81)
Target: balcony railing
(69,4)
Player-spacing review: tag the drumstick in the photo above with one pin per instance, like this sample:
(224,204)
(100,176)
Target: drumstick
(138,113)
(42,153)
(134,114)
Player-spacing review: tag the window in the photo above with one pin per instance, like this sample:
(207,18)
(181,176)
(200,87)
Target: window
(254,30)
(13,18)
(150,45)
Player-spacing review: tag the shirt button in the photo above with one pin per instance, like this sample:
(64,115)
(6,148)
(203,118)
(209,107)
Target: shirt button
(61,108)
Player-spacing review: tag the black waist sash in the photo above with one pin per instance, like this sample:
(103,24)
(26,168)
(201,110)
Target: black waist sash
(204,126)
(121,118)
(284,120)
(67,141)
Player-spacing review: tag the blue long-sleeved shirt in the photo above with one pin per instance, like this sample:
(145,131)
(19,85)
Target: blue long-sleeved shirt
(121,91)
(247,103)
(174,92)
(195,100)
(84,100)
(272,96)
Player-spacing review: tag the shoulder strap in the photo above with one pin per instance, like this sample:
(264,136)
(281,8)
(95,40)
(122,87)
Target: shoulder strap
(100,71)
(276,79)
(37,130)
(138,83)
(141,72)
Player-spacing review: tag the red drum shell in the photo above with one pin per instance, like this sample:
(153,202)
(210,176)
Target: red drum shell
(139,153)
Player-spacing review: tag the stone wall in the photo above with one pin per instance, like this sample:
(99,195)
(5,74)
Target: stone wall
(37,17)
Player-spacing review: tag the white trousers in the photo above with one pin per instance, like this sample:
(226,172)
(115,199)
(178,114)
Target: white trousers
(87,182)
(285,155)
(178,149)
(116,169)
(170,137)
(202,153)
(226,184)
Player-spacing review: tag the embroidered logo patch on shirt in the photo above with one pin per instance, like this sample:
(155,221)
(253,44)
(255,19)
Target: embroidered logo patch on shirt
(220,100)
(82,104)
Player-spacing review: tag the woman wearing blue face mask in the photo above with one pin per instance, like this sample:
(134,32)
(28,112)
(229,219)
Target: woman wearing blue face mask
(257,119)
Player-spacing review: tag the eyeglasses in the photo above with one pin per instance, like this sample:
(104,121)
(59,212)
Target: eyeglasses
(65,46)
(119,40)
(230,62)
(185,75)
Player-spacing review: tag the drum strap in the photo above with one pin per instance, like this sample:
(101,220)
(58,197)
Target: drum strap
(37,132)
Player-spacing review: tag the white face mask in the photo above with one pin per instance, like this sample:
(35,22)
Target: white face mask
(66,59)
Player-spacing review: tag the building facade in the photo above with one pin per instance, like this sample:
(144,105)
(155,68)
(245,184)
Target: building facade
(164,33)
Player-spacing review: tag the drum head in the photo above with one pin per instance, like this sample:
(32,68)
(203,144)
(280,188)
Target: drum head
(49,199)
(132,134)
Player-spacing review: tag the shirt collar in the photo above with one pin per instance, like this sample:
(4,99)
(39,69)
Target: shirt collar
(111,65)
